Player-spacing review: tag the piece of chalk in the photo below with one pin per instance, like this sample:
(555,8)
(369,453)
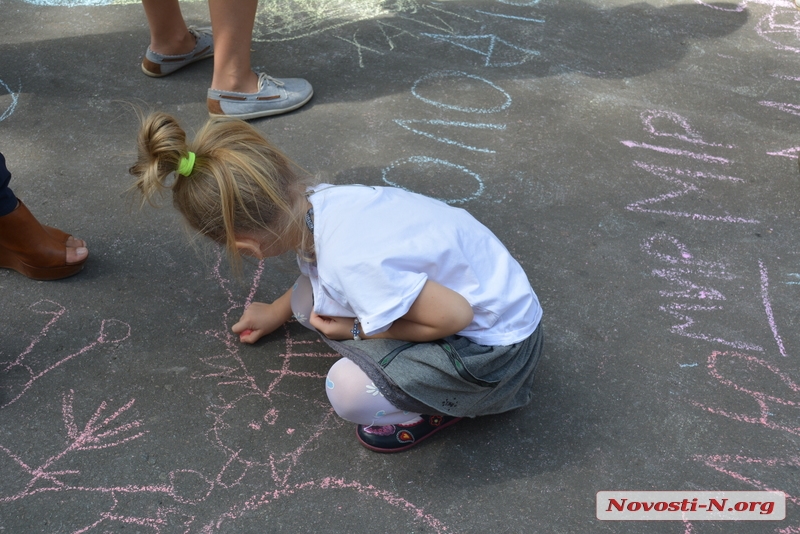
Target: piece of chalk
(246,333)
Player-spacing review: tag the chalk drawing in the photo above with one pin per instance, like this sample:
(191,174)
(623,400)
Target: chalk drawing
(689,135)
(676,152)
(453,77)
(768,307)
(730,465)
(781,26)
(425,161)
(765,417)
(796,280)
(741,6)
(487,46)
(522,3)
(262,442)
(112,331)
(282,20)
(681,130)
(793,153)
(682,267)
(242,438)
(512,17)
(793,109)
(470,125)
(14,99)
(674,175)
(687,365)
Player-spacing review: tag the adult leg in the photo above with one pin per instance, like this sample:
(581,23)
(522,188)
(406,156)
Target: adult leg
(232,22)
(237,91)
(169,34)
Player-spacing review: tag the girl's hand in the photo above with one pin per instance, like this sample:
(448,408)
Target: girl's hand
(260,319)
(333,327)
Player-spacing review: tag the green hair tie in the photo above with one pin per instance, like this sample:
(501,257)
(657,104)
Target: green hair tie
(186,164)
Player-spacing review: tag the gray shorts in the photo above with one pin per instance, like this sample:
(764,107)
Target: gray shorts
(452,376)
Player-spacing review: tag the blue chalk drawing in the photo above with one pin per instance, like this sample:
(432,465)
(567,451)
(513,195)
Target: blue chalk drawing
(457,74)
(528,3)
(488,44)
(14,99)
(480,126)
(513,17)
(420,160)
(688,364)
(75,3)
(794,282)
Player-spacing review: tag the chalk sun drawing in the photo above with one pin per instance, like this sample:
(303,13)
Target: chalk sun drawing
(443,76)
(425,161)
(469,125)
(487,46)
(14,99)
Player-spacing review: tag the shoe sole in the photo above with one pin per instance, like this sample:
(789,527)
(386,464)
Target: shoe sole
(158,75)
(40,273)
(257,114)
(406,447)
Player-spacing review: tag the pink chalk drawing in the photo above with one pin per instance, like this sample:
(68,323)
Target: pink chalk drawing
(792,109)
(748,368)
(112,331)
(793,153)
(681,267)
(685,179)
(768,308)
(255,434)
(688,135)
(266,418)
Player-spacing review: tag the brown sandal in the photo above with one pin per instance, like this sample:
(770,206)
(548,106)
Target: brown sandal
(36,251)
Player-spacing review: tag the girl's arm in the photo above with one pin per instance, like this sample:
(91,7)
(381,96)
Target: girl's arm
(436,313)
(260,319)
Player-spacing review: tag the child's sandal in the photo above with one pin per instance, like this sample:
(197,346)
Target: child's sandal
(396,438)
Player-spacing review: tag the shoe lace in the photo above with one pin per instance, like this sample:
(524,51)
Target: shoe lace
(266,78)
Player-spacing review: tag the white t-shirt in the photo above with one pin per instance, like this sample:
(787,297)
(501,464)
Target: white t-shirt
(377,246)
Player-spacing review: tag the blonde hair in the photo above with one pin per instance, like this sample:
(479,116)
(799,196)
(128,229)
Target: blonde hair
(240,184)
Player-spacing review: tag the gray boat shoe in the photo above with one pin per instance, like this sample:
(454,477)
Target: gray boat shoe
(158,65)
(274,96)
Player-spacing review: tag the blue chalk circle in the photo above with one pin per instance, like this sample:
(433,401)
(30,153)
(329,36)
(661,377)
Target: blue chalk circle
(454,77)
(14,99)
(427,163)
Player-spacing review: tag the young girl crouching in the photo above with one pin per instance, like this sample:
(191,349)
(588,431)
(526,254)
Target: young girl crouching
(433,317)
